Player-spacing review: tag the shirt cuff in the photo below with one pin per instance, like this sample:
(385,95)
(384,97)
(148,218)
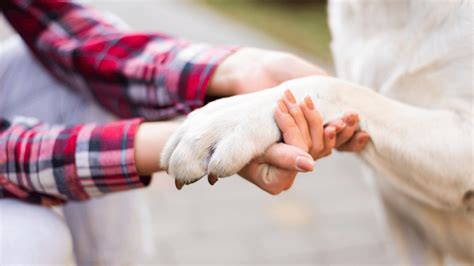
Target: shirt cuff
(195,63)
(105,159)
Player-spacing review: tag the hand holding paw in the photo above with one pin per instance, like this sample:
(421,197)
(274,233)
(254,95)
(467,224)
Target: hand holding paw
(305,139)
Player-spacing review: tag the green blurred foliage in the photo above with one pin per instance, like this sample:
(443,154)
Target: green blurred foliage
(299,23)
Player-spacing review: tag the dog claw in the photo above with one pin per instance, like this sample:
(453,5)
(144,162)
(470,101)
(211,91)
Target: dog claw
(212,178)
(179,184)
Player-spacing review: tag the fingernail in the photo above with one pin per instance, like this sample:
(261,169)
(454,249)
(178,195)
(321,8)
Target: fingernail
(212,178)
(340,126)
(282,106)
(309,102)
(290,97)
(304,164)
(363,139)
(351,120)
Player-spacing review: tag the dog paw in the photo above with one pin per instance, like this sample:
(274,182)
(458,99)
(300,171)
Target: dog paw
(222,137)
(225,135)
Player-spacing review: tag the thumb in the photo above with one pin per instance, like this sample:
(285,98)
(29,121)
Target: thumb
(288,157)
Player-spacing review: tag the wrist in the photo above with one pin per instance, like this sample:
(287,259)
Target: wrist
(227,78)
(222,83)
(150,139)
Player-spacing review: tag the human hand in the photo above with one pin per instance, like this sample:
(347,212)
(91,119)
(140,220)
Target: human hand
(251,69)
(350,138)
(302,130)
(224,136)
(305,140)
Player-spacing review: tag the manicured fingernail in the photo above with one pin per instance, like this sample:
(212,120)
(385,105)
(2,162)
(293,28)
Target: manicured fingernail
(340,126)
(332,133)
(212,178)
(282,106)
(363,139)
(309,103)
(289,96)
(351,120)
(304,164)
(179,184)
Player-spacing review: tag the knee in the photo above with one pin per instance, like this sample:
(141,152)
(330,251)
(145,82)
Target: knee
(33,234)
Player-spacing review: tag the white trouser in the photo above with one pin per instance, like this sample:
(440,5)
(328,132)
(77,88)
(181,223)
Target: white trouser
(112,230)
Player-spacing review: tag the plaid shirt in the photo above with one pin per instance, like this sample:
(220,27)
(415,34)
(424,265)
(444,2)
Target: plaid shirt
(151,76)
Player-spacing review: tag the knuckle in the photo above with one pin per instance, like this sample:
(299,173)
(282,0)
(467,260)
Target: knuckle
(291,127)
(274,188)
(319,147)
(296,111)
(286,159)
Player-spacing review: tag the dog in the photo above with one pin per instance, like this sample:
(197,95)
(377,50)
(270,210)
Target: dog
(406,67)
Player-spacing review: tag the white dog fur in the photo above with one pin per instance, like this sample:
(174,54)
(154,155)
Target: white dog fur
(417,59)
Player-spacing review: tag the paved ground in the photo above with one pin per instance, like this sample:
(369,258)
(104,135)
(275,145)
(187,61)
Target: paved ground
(327,218)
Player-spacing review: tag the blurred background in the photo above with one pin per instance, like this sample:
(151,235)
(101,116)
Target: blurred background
(329,217)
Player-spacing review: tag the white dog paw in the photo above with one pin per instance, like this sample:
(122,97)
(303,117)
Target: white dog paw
(225,135)
(221,138)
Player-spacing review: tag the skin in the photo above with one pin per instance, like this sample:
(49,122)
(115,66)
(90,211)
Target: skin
(302,128)
(305,137)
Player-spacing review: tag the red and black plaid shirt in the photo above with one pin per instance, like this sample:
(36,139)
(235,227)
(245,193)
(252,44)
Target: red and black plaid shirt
(151,76)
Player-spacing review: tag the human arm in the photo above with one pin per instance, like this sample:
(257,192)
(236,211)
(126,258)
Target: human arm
(395,148)
(131,74)
(51,164)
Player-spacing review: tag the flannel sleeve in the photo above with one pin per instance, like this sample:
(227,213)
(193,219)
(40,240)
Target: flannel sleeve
(148,75)
(50,164)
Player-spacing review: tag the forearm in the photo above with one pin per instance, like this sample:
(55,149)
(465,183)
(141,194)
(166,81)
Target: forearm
(149,142)
(131,74)
(51,164)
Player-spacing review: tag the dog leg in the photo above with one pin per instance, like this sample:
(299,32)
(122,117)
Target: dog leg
(413,246)
(426,153)
(421,151)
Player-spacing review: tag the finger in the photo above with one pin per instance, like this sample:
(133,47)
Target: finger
(351,120)
(272,183)
(288,157)
(338,124)
(212,178)
(315,124)
(297,114)
(291,180)
(286,123)
(329,141)
(356,143)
